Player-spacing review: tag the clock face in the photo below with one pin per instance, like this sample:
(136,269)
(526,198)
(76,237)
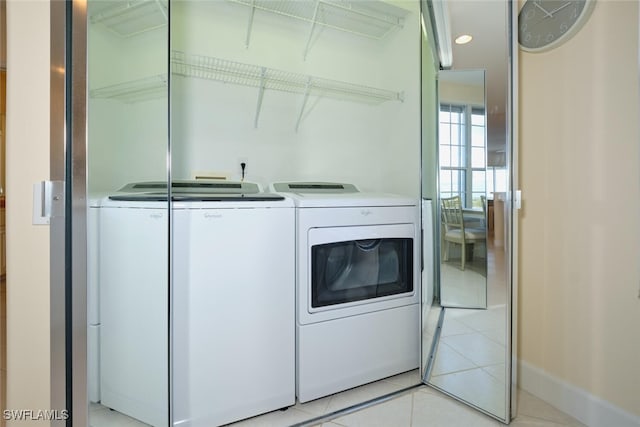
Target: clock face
(544,24)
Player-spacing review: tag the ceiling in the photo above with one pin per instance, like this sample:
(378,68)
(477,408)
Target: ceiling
(486,21)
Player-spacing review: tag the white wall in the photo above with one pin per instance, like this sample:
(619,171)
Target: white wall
(429,123)
(579,271)
(459,93)
(27,152)
(375,146)
(126,141)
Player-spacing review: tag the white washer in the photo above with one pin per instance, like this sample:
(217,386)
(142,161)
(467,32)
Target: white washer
(357,284)
(133,301)
(111,243)
(233,307)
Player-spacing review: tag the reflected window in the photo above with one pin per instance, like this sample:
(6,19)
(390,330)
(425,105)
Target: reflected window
(463,153)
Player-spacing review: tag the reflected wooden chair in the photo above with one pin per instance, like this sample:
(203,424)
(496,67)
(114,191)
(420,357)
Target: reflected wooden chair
(483,200)
(454,230)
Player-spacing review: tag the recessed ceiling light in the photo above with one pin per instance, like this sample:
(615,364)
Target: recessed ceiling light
(463,39)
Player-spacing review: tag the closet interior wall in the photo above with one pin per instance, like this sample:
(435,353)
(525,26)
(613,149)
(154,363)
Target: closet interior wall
(373,144)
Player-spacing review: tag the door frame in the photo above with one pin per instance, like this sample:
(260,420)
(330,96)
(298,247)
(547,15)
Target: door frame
(68,234)
(68,259)
(513,204)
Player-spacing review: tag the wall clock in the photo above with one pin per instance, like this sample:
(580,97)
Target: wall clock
(545,24)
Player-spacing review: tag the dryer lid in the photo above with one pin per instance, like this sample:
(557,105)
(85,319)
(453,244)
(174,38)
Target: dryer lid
(314,187)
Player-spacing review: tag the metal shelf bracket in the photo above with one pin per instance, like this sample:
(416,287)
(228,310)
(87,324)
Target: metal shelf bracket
(260,95)
(304,102)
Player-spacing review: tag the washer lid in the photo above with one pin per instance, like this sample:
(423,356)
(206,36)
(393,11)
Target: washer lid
(196,186)
(190,191)
(187,194)
(197,197)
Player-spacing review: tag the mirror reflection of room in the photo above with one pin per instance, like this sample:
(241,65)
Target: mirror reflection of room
(471,350)
(262,101)
(128,250)
(288,114)
(472,347)
(462,192)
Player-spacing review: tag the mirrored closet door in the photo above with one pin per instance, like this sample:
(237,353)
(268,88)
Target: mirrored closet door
(273,189)
(128,213)
(469,157)
(277,105)
(196,311)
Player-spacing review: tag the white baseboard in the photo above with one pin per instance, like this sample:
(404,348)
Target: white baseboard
(580,404)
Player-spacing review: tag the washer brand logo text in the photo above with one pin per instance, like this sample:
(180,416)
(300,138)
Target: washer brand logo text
(35,415)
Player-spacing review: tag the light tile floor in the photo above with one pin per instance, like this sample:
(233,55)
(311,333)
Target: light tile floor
(467,287)
(427,407)
(423,406)
(464,287)
(470,360)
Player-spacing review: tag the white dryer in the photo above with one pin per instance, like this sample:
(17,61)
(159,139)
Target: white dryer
(357,285)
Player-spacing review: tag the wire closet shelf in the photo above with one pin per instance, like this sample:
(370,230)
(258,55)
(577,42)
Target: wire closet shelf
(135,90)
(129,18)
(262,78)
(222,70)
(372,19)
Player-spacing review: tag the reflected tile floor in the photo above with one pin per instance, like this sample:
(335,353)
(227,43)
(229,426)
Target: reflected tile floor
(428,407)
(470,358)
(466,287)
(424,406)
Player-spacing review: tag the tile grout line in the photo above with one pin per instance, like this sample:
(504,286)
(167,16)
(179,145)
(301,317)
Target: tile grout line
(356,408)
